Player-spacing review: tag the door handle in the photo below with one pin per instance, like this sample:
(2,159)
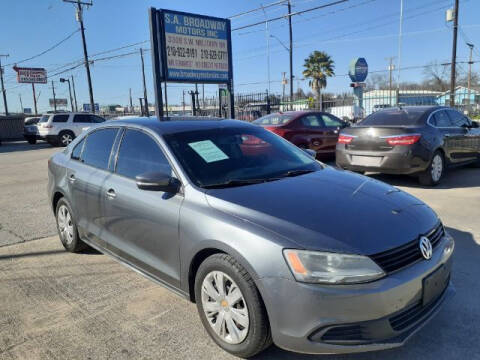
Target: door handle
(111,194)
(72,178)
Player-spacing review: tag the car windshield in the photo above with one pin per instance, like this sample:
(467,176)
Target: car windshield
(394,117)
(226,157)
(44,119)
(274,119)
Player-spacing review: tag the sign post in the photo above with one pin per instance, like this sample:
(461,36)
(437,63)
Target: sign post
(190,48)
(358,71)
(31,76)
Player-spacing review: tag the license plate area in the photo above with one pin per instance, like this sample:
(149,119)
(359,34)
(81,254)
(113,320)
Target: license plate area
(434,284)
(366,160)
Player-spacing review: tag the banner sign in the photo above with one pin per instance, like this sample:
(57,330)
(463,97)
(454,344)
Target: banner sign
(31,75)
(193,48)
(59,102)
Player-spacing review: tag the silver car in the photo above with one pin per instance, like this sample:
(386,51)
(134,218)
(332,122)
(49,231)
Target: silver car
(270,244)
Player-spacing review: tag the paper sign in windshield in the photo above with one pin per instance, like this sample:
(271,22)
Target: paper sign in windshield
(208,151)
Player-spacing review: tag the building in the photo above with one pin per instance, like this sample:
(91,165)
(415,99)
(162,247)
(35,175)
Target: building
(462,97)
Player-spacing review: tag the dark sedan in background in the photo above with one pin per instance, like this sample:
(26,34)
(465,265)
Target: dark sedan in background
(418,140)
(317,131)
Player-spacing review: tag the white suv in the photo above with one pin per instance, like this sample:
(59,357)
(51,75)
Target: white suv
(61,129)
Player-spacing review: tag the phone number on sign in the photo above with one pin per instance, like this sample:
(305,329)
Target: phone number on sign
(213,54)
(179,51)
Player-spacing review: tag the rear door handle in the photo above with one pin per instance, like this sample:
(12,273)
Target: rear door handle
(72,178)
(111,194)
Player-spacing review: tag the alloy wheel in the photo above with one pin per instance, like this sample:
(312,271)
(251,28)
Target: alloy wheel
(66,139)
(65,224)
(437,167)
(225,307)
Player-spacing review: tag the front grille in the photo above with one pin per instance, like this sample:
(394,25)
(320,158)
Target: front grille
(405,255)
(413,314)
(344,333)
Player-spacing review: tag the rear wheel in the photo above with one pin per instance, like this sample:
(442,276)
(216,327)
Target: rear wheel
(67,228)
(32,140)
(230,306)
(66,137)
(434,172)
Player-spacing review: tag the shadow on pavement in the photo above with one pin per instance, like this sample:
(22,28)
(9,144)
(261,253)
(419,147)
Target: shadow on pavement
(87,251)
(461,177)
(15,146)
(452,334)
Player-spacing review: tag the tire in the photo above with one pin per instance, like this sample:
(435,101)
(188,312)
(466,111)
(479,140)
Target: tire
(67,228)
(65,137)
(252,333)
(435,170)
(32,141)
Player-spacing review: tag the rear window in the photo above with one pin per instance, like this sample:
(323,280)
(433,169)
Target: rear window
(274,119)
(44,119)
(394,117)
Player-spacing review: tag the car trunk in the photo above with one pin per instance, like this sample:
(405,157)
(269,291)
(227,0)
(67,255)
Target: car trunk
(374,138)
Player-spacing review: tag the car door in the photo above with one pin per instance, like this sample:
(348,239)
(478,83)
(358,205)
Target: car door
(313,133)
(333,126)
(141,226)
(470,138)
(452,136)
(81,121)
(87,172)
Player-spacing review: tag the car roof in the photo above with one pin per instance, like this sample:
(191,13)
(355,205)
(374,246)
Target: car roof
(416,108)
(170,125)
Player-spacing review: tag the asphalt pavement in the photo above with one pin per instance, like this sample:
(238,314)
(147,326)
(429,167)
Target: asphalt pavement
(57,305)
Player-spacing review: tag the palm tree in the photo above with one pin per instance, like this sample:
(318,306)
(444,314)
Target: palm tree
(318,66)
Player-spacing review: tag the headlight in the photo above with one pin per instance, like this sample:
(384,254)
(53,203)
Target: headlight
(331,268)
(449,247)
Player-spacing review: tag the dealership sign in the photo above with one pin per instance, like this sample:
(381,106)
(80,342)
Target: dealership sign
(192,48)
(358,70)
(31,75)
(58,102)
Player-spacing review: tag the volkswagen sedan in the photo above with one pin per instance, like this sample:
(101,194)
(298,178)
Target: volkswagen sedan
(270,244)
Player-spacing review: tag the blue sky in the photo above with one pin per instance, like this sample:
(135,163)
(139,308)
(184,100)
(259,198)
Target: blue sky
(367,28)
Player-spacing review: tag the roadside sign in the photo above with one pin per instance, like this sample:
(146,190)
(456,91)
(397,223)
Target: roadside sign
(358,70)
(27,110)
(59,102)
(31,75)
(88,108)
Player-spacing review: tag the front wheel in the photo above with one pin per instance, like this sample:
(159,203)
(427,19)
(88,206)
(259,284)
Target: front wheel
(67,228)
(434,172)
(32,140)
(230,307)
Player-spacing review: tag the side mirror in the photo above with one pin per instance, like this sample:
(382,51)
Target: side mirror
(157,181)
(311,152)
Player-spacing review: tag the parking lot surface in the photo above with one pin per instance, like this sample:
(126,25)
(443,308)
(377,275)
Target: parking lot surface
(57,305)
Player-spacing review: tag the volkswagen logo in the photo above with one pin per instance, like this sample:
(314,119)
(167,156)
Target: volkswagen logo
(426,248)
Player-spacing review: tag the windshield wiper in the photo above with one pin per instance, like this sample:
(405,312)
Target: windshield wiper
(296,173)
(238,182)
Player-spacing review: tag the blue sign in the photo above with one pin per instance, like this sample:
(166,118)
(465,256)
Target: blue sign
(87,107)
(194,48)
(358,70)
(27,110)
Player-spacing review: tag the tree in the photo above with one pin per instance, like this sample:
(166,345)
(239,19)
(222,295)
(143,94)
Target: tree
(318,66)
(437,76)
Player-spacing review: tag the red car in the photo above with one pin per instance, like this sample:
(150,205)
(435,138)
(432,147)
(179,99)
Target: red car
(306,129)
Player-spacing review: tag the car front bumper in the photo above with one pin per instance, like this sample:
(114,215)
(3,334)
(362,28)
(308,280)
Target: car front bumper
(400,160)
(302,315)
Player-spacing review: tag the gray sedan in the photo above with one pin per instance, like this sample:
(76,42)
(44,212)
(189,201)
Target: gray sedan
(270,244)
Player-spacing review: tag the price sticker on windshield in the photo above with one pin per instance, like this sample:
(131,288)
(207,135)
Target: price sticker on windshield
(208,151)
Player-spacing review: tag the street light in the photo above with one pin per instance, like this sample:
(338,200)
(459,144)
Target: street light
(69,90)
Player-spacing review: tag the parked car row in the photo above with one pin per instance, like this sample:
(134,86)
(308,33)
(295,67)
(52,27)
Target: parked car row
(422,141)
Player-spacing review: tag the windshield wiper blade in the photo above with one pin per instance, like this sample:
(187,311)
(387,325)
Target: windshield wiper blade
(297,173)
(239,182)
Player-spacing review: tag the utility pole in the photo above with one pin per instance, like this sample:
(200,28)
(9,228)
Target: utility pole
(54,99)
(69,91)
(141,106)
(291,52)
(144,84)
(284,82)
(470,62)
(74,94)
(454,56)
(4,92)
(196,94)
(85,53)
(400,33)
(34,98)
(183,101)
(391,67)
(131,101)
(21,105)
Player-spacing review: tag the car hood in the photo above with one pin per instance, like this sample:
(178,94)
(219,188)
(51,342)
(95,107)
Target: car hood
(330,210)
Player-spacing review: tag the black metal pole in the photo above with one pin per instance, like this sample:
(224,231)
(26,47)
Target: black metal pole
(155,41)
(147,112)
(74,94)
(454,57)
(4,92)
(290,32)
(54,99)
(85,55)
(70,92)
(34,98)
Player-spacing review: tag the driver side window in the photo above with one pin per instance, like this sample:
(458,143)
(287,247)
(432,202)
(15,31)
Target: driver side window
(457,119)
(312,121)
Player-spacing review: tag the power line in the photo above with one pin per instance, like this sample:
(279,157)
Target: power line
(291,14)
(257,9)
